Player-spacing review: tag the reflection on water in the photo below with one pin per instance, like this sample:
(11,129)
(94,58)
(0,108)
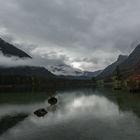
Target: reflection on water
(7,122)
(82,114)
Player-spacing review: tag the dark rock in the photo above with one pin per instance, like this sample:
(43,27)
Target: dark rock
(40,112)
(52,101)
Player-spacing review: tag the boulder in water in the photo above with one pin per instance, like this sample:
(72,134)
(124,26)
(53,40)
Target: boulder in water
(40,112)
(52,101)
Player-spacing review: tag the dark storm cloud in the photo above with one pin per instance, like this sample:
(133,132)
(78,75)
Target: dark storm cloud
(95,31)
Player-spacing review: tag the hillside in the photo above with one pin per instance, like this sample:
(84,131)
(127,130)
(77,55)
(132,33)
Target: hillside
(26,71)
(132,63)
(10,50)
(108,71)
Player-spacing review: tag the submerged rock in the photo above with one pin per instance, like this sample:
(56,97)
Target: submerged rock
(40,112)
(52,101)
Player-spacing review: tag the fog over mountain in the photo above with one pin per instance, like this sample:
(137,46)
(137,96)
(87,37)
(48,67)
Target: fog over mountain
(85,34)
(14,61)
(10,50)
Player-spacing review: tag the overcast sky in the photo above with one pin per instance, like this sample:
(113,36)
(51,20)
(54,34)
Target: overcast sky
(88,34)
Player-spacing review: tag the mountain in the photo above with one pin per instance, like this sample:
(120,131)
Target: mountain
(108,71)
(92,74)
(26,71)
(10,50)
(69,72)
(132,63)
(65,70)
(86,75)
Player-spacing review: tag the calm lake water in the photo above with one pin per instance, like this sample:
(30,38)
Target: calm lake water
(81,114)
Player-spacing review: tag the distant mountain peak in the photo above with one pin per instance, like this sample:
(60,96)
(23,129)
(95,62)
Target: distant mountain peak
(92,73)
(110,69)
(127,64)
(10,50)
(121,58)
(64,69)
(133,60)
(136,50)
(138,46)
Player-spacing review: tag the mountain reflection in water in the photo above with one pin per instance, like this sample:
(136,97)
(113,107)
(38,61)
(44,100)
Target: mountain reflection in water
(81,114)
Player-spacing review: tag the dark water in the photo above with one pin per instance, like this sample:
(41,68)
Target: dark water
(81,114)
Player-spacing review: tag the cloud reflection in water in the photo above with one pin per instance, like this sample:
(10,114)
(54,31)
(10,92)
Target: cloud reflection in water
(79,117)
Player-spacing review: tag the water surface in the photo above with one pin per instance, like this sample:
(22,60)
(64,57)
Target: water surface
(81,114)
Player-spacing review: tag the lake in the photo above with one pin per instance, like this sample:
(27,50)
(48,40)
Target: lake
(80,114)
